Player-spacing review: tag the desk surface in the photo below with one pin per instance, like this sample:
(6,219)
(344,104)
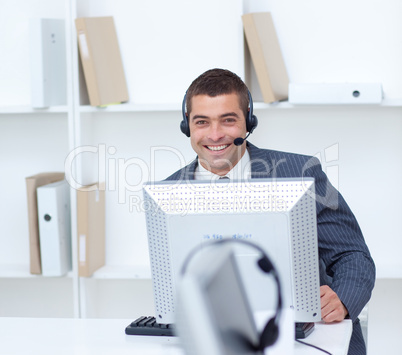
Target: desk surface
(50,336)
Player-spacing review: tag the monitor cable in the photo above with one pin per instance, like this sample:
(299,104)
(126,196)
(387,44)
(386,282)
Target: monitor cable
(313,346)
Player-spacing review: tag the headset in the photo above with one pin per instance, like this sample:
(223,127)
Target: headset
(270,333)
(251,119)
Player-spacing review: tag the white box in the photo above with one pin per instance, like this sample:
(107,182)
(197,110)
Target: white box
(55,228)
(324,94)
(48,62)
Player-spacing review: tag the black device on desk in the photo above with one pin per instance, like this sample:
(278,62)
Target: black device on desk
(148,326)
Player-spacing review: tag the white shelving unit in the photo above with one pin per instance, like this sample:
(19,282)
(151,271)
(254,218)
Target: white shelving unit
(31,141)
(172,107)
(8,110)
(164,46)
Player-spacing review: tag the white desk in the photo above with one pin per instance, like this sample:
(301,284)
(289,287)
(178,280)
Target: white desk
(55,336)
(333,338)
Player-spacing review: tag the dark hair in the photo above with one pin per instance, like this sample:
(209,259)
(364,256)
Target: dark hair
(215,82)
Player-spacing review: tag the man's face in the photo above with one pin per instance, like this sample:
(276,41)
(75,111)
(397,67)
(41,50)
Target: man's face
(215,122)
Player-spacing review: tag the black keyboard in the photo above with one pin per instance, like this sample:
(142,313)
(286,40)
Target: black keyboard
(149,326)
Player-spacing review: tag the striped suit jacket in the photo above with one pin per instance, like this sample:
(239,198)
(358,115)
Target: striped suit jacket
(345,261)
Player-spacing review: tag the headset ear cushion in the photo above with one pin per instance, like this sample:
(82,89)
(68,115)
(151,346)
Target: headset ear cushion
(252,123)
(265,264)
(184,127)
(269,335)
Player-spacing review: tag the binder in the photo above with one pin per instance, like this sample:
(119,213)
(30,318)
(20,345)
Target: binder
(32,183)
(335,93)
(101,60)
(90,229)
(48,62)
(266,56)
(55,228)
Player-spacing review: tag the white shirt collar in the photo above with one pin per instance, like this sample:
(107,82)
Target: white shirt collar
(241,171)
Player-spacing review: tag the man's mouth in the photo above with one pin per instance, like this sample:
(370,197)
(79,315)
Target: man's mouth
(217,147)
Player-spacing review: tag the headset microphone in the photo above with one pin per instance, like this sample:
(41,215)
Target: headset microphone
(239,141)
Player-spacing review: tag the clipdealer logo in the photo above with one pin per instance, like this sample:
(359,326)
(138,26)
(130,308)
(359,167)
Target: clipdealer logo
(329,161)
(116,174)
(112,173)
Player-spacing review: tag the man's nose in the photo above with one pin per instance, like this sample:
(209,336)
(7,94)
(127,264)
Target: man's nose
(216,132)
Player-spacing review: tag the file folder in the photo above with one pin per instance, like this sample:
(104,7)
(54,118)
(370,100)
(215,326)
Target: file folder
(32,183)
(101,60)
(266,56)
(55,228)
(48,62)
(90,229)
(335,93)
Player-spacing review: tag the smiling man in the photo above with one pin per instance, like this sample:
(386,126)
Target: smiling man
(218,119)
(215,123)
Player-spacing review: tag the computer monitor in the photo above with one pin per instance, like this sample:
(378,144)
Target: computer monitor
(277,214)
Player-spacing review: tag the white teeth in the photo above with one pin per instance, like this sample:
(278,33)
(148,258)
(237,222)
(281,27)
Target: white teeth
(219,147)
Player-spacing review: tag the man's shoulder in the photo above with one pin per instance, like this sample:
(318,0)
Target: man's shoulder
(186,173)
(275,163)
(277,155)
(178,175)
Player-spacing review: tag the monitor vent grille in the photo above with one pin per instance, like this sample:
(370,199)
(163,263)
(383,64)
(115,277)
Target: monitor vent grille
(160,266)
(305,249)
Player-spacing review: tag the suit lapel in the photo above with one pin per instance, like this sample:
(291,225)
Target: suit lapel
(260,163)
(189,172)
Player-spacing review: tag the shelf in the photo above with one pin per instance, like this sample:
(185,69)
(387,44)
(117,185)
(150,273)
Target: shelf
(288,105)
(16,271)
(123,272)
(130,107)
(392,103)
(172,107)
(28,109)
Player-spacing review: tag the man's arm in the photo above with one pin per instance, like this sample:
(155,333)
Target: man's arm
(342,249)
(332,309)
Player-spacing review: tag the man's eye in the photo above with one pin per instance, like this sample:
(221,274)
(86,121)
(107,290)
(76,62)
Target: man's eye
(200,122)
(230,120)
